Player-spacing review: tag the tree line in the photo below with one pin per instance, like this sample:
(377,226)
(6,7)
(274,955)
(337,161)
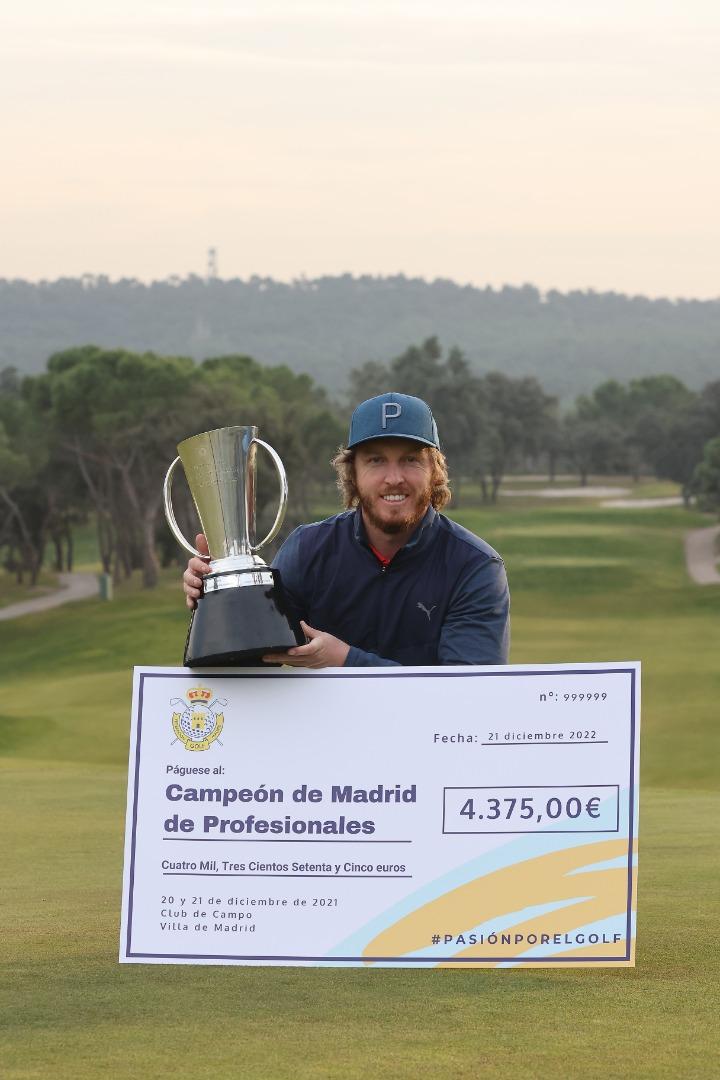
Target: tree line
(493,423)
(97,431)
(94,433)
(327,326)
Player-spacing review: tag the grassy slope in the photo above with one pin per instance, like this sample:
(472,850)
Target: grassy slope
(587,585)
(11,592)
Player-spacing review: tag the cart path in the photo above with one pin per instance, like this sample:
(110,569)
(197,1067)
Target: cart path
(73,586)
(701,555)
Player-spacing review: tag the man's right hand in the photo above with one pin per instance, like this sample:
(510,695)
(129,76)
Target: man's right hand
(196,571)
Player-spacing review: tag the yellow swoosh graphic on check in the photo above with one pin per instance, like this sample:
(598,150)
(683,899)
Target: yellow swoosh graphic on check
(546,879)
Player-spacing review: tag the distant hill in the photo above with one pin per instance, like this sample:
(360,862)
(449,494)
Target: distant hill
(326,326)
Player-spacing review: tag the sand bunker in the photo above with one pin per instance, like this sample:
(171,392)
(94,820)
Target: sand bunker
(566,492)
(644,504)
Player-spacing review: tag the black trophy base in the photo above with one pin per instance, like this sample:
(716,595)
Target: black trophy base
(236,627)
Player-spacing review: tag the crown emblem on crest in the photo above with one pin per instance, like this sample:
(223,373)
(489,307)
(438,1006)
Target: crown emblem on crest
(199,693)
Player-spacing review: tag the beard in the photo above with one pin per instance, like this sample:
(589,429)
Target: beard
(414,513)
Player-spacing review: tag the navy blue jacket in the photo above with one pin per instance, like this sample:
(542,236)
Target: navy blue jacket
(442,600)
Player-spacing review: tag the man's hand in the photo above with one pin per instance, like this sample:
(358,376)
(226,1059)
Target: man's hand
(196,571)
(322,650)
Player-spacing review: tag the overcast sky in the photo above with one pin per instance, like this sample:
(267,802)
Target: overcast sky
(569,143)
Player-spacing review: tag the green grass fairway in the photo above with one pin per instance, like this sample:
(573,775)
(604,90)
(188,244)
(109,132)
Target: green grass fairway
(588,585)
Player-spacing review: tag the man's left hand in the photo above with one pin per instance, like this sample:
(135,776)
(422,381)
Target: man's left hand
(322,650)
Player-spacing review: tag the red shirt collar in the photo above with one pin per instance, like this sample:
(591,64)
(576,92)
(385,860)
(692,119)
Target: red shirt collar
(383,559)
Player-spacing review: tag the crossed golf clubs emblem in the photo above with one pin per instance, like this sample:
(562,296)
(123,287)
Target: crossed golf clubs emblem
(199,716)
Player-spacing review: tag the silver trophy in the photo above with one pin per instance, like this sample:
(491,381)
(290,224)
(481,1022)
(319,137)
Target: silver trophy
(244,612)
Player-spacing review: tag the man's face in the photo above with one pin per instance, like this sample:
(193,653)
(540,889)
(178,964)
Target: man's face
(394,481)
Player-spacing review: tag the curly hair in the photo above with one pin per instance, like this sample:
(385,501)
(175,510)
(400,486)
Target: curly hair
(344,465)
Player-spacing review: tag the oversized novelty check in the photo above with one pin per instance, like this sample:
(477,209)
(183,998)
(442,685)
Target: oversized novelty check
(419,817)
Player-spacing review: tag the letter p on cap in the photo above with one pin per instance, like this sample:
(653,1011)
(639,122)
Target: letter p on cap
(387,415)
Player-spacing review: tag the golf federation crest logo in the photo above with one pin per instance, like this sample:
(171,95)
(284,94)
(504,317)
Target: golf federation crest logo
(196,723)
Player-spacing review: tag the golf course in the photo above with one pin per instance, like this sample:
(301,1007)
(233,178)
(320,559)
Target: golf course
(589,583)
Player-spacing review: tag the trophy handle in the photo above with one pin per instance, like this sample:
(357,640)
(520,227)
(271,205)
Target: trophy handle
(283,496)
(170,513)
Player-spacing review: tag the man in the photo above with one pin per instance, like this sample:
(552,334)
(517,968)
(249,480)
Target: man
(390,580)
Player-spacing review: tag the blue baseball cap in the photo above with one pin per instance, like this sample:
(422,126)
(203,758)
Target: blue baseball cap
(393,415)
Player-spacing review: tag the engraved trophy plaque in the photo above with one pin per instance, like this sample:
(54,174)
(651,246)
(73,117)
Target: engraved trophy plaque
(243,612)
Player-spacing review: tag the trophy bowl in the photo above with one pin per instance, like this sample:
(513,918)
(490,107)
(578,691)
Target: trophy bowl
(244,611)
